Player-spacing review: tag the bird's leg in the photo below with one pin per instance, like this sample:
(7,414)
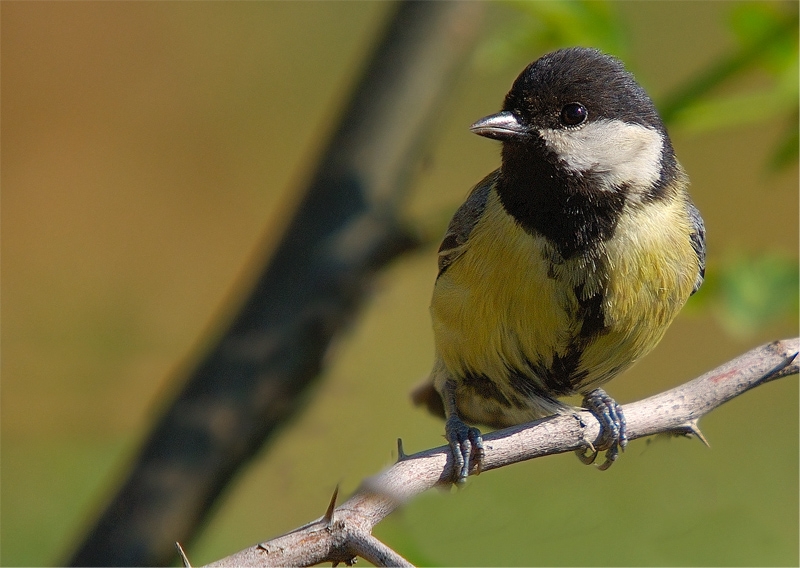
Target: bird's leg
(465,441)
(612,420)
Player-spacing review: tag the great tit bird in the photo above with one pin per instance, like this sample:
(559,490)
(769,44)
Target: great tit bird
(568,263)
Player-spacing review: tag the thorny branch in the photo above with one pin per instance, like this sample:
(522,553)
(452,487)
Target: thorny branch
(344,532)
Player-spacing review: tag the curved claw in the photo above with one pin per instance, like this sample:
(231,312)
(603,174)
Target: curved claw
(612,420)
(467,446)
(611,457)
(587,458)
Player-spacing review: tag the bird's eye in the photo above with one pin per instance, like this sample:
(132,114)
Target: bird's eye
(573,114)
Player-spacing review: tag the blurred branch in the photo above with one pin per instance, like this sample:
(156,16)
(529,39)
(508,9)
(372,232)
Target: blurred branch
(345,532)
(345,228)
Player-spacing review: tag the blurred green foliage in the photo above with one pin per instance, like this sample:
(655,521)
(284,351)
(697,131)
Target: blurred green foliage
(767,36)
(544,26)
(750,292)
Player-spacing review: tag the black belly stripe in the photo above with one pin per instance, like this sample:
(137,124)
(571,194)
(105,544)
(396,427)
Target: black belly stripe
(562,376)
(527,387)
(591,314)
(559,378)
(484,387)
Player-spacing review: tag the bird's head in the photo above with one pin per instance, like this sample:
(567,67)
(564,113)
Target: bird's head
(581,112)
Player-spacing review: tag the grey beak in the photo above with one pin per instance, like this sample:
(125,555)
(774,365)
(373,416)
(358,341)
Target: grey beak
(501,126)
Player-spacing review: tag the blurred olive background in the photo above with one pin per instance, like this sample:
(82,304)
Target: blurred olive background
(149,157)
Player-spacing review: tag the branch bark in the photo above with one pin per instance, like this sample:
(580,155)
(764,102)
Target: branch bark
(344,532)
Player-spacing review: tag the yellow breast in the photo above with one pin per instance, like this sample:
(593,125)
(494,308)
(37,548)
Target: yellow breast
(504,306)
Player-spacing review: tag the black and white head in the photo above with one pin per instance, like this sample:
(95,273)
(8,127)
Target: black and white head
(580,112)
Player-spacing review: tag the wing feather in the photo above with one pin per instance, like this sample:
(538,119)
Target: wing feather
(465,218)
(698,238)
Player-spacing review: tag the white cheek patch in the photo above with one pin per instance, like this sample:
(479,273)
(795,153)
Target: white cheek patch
(621,153)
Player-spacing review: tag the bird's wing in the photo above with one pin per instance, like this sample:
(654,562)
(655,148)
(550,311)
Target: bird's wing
(698,237)
(464,220)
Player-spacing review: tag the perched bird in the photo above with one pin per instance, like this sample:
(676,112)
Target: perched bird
(568,263)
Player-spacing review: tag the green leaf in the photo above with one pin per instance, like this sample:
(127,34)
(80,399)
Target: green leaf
(738,109)
(751,21)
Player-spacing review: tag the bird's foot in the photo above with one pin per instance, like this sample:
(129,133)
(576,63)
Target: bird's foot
(614,436)
(467,447)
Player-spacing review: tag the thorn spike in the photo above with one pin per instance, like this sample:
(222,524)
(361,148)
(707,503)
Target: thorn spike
(328,517)
(695,429)
(184,558)
(401,455)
